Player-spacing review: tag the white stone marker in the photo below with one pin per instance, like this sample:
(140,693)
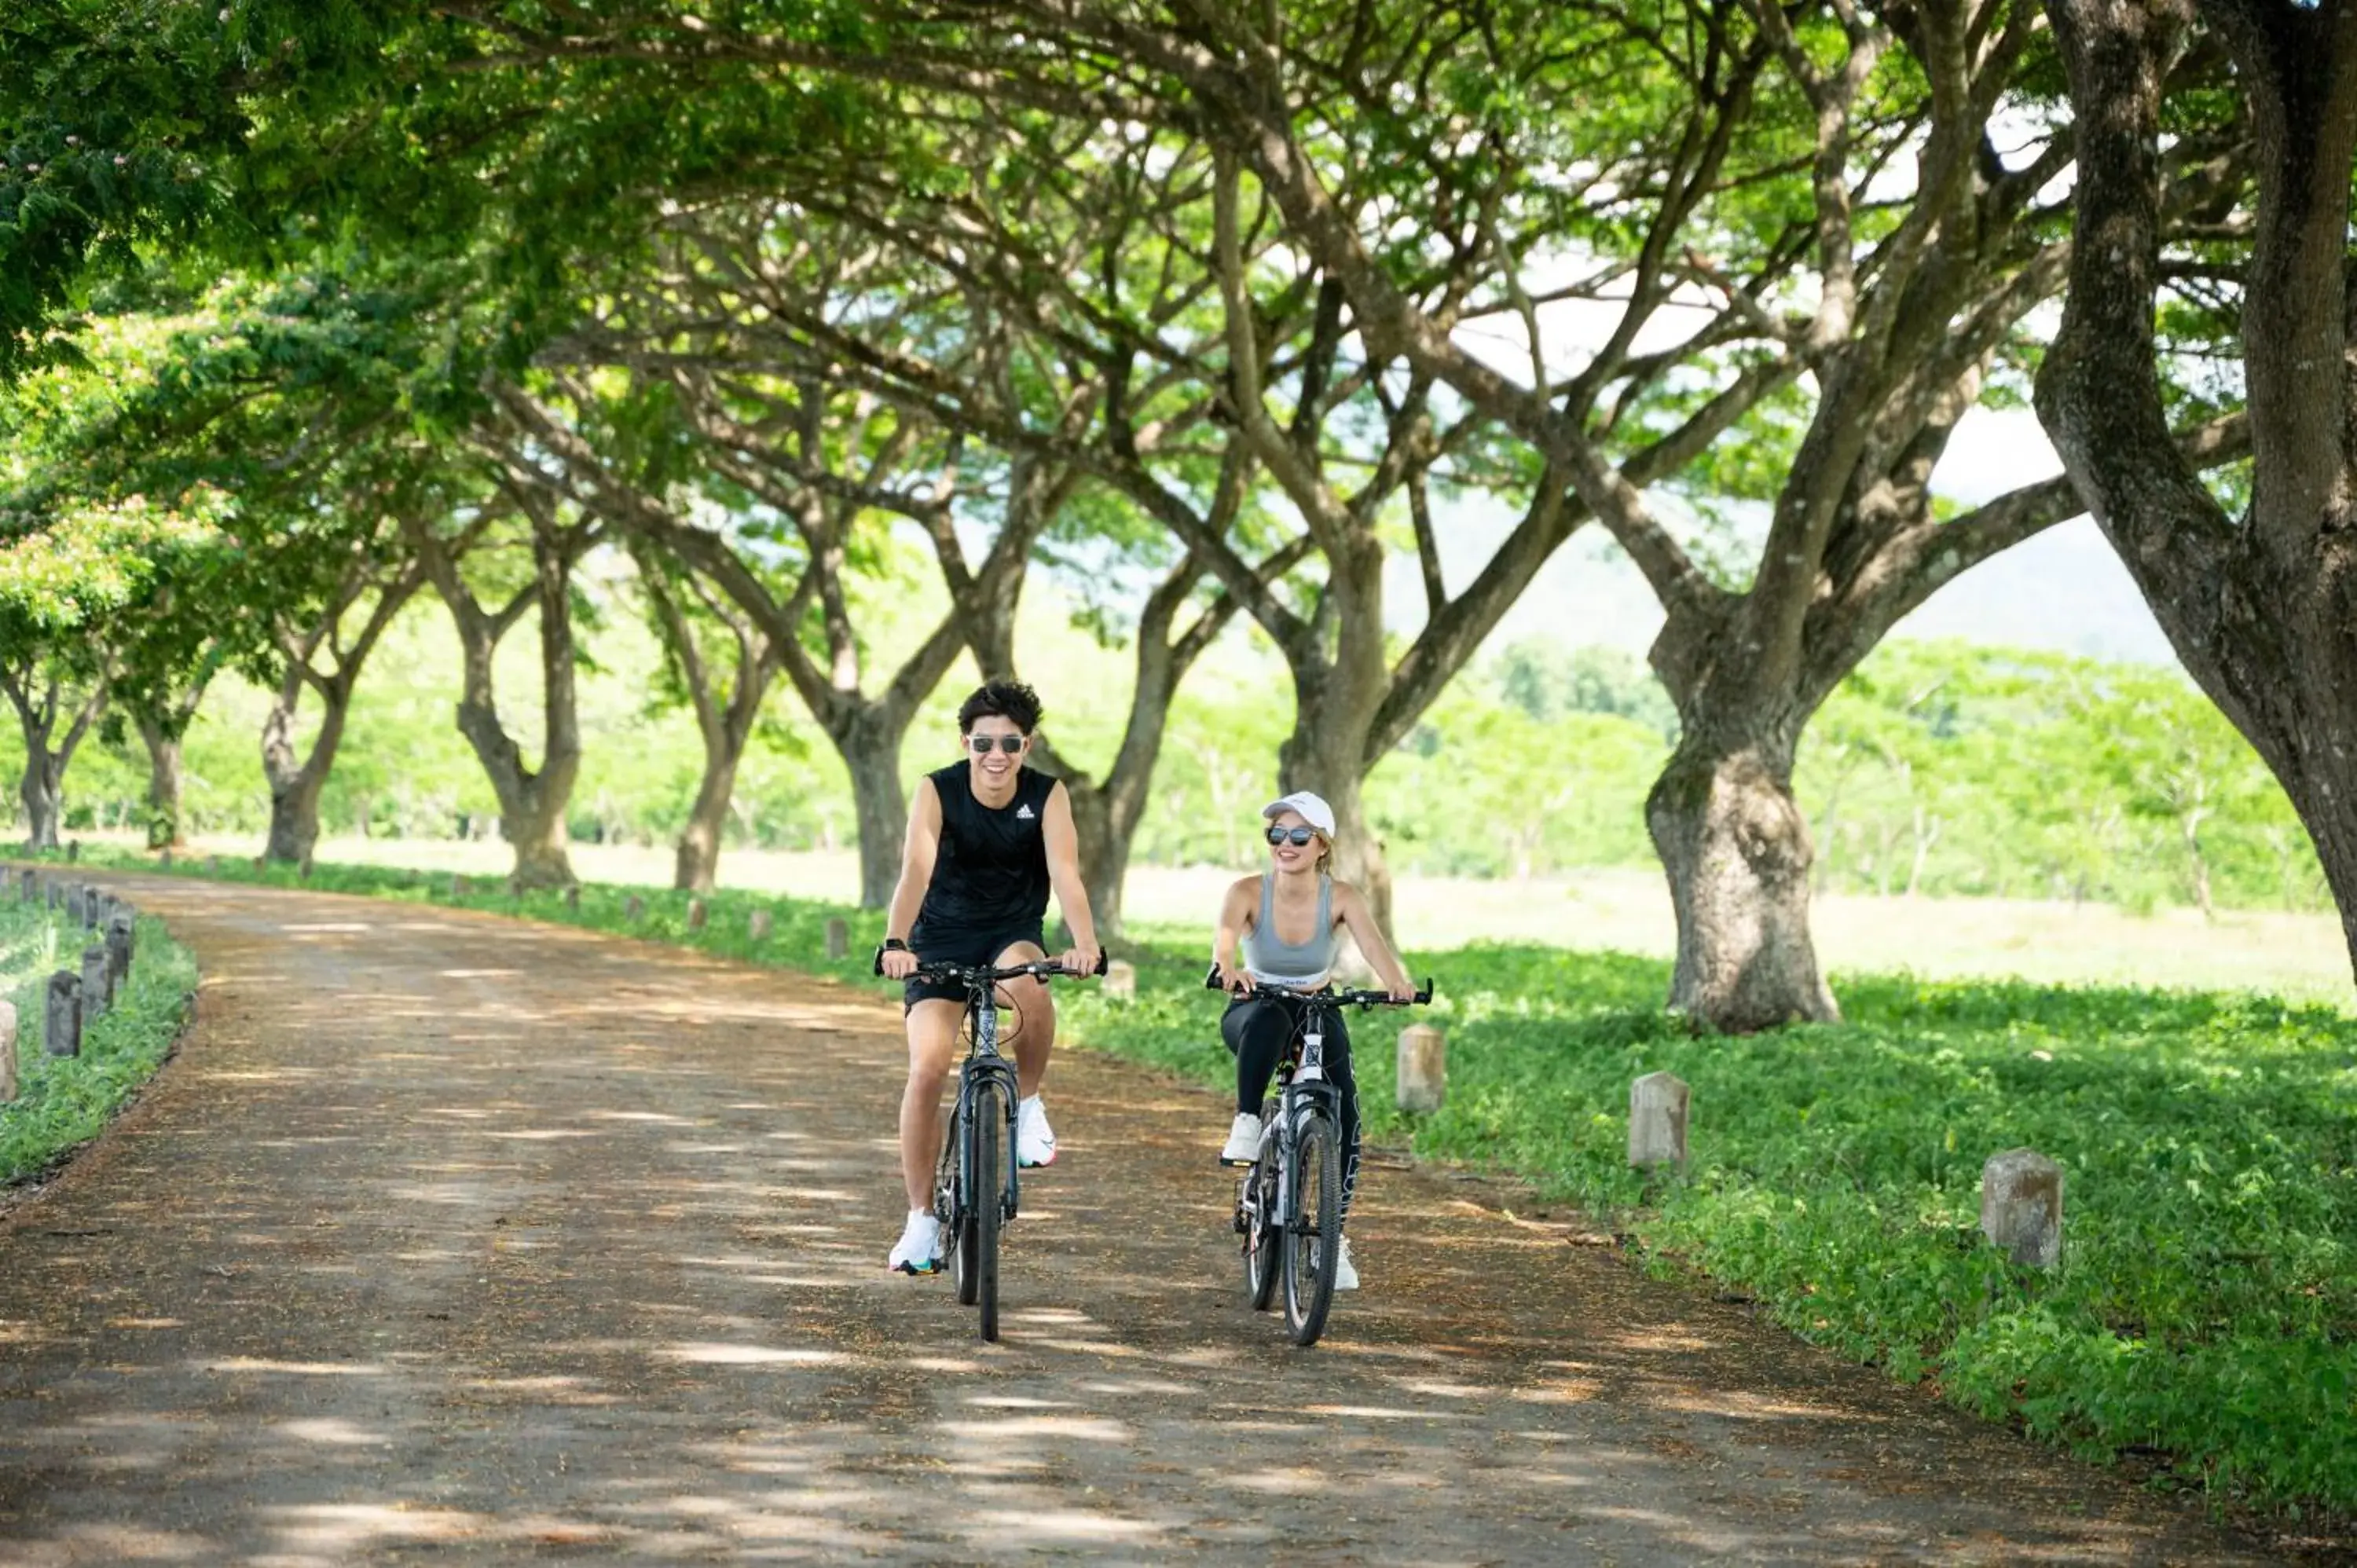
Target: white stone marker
(1657,1121)
(758,927)
(2021,1207)
(838,938)
(1121,979)
(1423,1068)
(7,1052)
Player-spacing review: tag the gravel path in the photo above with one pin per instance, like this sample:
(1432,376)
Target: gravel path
(452,1239)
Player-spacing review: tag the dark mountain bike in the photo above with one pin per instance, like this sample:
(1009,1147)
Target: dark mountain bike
(1289,1203)
(975,1188)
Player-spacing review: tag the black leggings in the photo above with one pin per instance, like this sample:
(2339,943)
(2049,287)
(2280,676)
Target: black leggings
(1258,1029)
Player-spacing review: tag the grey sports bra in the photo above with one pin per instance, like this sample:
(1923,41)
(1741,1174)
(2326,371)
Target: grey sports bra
(1291,963)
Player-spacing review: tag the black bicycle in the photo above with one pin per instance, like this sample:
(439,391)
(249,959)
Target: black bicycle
(975,1187)
(1289,1203)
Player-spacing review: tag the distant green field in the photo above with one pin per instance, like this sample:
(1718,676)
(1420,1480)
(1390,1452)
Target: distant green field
(2207,1302)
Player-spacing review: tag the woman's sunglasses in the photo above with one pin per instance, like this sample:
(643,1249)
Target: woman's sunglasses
(1009,744)
(1296,836)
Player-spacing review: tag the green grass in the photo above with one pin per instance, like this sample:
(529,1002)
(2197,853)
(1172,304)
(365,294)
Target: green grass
(66,1101)
(2207,1302)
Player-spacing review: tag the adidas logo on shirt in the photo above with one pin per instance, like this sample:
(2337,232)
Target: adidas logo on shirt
(1023,813)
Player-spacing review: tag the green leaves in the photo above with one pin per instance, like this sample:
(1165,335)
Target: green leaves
(111,113)
(2007,772)
(94,561)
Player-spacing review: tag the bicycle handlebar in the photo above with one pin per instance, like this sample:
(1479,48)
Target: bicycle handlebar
(984,974)
(1338,998)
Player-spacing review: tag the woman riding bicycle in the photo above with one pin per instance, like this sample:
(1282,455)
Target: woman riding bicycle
(1284,926)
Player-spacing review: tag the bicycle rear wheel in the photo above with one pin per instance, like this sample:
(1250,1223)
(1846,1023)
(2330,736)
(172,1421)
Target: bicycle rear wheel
(1263,1229)
(1313,1231)
(986,1202)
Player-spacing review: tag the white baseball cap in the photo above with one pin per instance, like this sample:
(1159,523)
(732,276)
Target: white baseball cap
(1313,809)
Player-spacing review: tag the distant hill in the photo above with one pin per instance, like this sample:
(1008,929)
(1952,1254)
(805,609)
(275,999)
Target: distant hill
(2062,591)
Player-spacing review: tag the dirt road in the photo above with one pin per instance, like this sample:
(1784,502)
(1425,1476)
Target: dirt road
(450,1239)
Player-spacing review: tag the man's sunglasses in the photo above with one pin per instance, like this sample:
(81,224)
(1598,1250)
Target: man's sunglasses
(1296,836)
(1009,744)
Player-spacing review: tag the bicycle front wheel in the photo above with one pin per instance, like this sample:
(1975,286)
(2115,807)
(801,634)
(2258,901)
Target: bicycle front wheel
(955,1207)
(1263,1230)
(991,1115)
(1313,1231)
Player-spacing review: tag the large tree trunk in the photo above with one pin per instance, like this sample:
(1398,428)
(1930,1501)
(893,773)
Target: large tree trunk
(726,727)
(1323,756)
(542,837)
(1104,839)
(1736,851)
(163,784)
(2262,610)
(296,782)
(699,861)
(42,788)
(534,806)
(1337,701)
(870,748)
(42,791)
(293,818)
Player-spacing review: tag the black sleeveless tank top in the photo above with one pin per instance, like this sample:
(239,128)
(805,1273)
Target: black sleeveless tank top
(992,870)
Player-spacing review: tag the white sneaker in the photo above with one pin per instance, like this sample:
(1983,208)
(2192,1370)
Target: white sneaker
(1346,1276)
(920,1249)
(1035,1143)
(1243,1140)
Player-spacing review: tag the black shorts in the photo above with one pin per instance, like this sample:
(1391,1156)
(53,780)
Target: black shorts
(971,947)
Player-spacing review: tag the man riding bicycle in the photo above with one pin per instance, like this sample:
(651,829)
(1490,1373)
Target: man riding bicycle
(988,838)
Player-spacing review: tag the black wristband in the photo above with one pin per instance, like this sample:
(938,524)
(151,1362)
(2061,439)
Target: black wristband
(894,944)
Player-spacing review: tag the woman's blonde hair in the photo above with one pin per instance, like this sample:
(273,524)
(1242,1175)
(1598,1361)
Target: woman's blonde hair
(1325,855)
